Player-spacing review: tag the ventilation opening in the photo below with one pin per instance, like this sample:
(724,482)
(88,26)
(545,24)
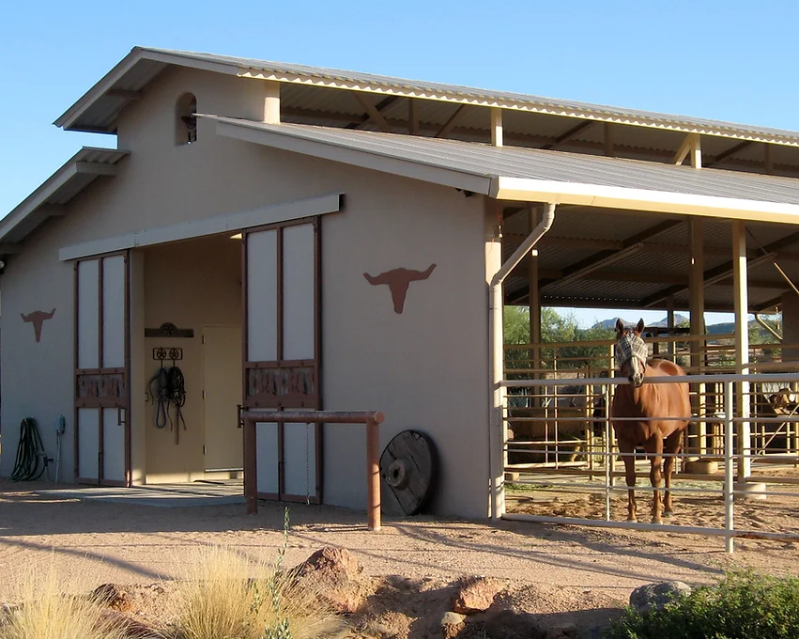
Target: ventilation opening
(186,120)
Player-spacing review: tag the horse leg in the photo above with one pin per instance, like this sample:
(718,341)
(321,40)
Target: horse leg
(672,447)
(627,450)
(654,447)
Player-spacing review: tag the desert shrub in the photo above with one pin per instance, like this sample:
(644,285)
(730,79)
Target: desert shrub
(228,596)
(744,605)
(45,611)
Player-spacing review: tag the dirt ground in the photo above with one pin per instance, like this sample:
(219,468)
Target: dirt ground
(558,572)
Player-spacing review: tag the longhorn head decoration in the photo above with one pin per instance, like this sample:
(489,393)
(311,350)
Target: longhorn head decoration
(398,281)
(37,318)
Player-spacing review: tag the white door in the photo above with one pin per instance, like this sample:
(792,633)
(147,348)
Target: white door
(101,370)
(222,393)
(282,342)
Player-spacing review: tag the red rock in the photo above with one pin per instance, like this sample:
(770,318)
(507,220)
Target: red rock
(336,575)
(475,594)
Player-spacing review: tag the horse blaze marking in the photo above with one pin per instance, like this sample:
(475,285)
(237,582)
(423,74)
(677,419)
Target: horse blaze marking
(398,281)
(37,317)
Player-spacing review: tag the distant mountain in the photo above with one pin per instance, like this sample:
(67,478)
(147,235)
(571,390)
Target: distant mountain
(723,328)
(611,323)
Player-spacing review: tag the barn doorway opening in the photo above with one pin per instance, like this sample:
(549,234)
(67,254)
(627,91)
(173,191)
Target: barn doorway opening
(192,360)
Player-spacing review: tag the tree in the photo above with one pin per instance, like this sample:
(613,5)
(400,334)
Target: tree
(555,328)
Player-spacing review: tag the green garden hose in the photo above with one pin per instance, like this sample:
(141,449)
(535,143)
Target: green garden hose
(30,453)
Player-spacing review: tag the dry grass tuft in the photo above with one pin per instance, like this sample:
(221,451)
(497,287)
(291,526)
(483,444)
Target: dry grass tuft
(227,596)
(45,611)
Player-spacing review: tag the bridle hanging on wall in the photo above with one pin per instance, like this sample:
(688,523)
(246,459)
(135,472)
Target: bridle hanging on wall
(166,388)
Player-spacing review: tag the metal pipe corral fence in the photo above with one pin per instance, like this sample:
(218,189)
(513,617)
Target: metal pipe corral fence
(736,451)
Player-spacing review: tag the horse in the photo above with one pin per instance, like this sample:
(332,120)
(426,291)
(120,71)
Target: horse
(655,406)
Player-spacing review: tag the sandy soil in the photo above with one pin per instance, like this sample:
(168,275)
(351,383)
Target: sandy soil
(550,569)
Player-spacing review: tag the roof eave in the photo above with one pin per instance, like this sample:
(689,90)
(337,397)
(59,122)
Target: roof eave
(70,119)
(613,197)
(37,202)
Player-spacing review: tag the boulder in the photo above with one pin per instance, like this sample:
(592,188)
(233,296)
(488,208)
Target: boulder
(475,594)
(451,625)
(655,596)
(335,574)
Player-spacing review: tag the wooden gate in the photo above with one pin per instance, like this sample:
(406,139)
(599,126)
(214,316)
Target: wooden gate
(282,355)
(102,357)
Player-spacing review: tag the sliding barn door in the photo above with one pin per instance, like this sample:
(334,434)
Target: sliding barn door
(281,358)
(102,435)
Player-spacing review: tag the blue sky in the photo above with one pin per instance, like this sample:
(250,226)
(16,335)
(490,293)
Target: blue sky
(728,60)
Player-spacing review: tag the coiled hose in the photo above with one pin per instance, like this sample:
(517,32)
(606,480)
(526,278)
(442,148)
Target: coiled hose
(30,463)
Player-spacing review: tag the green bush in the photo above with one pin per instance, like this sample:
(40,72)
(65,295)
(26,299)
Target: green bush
(744,605)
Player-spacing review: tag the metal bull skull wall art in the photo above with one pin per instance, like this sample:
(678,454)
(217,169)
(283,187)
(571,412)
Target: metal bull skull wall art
(398,281)
(37,318)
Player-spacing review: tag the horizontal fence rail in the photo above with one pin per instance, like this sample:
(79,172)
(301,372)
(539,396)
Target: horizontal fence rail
(372,419)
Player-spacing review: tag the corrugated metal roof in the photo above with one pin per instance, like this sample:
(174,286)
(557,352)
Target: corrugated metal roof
(96,109)
(74,175)
(485,161)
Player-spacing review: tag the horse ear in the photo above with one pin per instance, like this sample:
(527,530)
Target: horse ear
(640,326)
(619,326)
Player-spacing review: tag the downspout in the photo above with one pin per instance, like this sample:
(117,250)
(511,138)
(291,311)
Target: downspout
(496,426)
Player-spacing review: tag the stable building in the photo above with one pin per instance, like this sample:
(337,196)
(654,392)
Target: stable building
(295,237)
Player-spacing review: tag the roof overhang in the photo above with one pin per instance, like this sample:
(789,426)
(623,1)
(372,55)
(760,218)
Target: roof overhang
(534,175)
(97,110)
(50,198)
(614,197)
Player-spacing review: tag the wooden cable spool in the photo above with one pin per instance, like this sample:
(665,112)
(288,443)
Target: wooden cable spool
(407,470)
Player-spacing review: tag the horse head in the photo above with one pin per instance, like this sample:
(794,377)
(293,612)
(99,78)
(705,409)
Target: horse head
(631,352)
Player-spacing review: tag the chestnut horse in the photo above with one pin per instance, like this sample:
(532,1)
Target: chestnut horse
(651,405)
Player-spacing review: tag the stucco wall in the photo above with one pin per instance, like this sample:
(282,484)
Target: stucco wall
(37,378)
(426,368)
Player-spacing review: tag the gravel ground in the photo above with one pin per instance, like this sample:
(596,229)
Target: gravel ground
(122,543)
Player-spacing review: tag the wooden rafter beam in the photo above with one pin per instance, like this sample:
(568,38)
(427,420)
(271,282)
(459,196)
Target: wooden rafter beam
(597,260)
(692,144)
(568,134)
(450,124)
(773,302)
(617,245)
(372,112)
(609,140)
(413,116)
(731,151)
(726,269)
(379,107)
